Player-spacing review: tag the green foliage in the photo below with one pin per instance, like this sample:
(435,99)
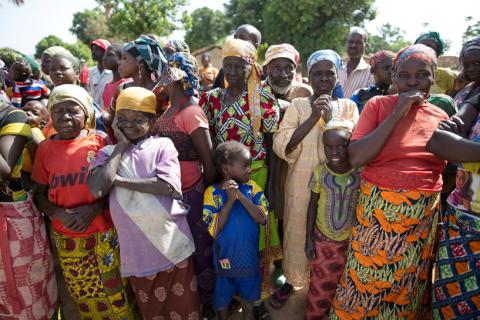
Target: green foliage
(473,29)
(9,55)
(246,11)
(89,25)
(311,25)
(388,38)
(205,27)
(78,49)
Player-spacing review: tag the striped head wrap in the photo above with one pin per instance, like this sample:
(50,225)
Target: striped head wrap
(247,52)
(182,67)
(177,46)
(324,55)
(435,36)
(148,51)
(379,56)
(72,92)
(416,52)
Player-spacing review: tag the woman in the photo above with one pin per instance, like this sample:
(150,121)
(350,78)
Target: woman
(389,257)
(85,239)
(470,61)
(144,61)
(186,125)
(299,142)
(27,285)
(246,113)
(457,272)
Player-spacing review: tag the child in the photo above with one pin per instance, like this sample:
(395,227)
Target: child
(24,88)
(381,64)
(232,210)
(83,232)
(38,117)
(142,174)
(334,192)
(111,60)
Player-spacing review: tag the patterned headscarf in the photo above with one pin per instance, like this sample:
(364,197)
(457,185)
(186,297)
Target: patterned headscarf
(435,36)
(324,55)
(284,50)
(379,56)
(473,44)
(416,52)
(247,52)
(102,43)
(340,124)
(182,67)
(147,50)
(178,46)
(72,92)
(137,99)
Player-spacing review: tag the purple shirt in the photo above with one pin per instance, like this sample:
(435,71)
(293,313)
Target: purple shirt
(152,229)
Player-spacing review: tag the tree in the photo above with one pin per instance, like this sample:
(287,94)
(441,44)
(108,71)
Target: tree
(205,27)
(473,29)
(310,25)
(245,11)
(389,37)
(90,24)
(78,49)
(9,55)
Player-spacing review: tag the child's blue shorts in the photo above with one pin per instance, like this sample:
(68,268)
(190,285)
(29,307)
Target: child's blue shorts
(248,288)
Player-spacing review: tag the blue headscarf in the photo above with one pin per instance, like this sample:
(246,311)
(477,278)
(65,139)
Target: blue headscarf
(147,50)
(182,67)
(322,55)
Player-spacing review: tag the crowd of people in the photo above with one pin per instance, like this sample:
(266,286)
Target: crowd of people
(147,187)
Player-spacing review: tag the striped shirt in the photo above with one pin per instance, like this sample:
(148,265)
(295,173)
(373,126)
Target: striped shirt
(359,78)
(28,90)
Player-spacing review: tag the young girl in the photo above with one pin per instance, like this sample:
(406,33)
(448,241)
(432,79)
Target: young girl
(233,210)
(86,241)
(334,193)
(143,175)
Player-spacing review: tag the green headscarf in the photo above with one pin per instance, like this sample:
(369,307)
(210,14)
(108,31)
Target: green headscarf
(435,36)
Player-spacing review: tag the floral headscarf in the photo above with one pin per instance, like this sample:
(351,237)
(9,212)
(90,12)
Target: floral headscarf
(416,52)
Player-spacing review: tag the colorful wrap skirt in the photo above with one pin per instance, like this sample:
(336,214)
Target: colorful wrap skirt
(91,268)
(28,289)
(388,261)
(456,288)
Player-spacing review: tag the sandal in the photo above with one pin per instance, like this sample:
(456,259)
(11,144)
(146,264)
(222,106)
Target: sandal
(280,297)
(261,313)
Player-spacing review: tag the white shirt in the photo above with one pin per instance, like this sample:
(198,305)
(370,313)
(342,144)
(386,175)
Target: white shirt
(97,82)
(359,78)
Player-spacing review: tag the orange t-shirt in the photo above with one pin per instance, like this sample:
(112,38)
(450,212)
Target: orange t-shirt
(404,162)
(63,166)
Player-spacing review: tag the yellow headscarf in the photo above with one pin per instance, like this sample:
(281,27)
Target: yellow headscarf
(72,92)
(137,99)
(246,51)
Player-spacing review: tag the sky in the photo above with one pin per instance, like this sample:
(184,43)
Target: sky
(22,27)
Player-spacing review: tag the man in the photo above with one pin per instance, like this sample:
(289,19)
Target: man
(280,68)
(98,76)
(245,32)
(355,73)
(207,73)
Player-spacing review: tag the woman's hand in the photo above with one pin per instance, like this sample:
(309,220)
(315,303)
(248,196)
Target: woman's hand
(231,187)
(453,125)
(119,135)
(408,99)
(322,107)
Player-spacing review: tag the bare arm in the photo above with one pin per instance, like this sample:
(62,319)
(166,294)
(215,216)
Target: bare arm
(253,210)
(366,149)
(203,145)
(11,148)
(449,141)
(311,214)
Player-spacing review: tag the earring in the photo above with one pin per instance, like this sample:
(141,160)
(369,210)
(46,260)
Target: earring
(140,73)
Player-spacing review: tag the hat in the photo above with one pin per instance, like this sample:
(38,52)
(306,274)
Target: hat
(284,50)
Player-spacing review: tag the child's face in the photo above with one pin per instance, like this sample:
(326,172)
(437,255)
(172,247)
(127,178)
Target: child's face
(135,125)
(240,168)
(19,72)
(383,72)
(335,143)
(128,66)
(62,72)
(68,119)
(37,114)
(111,59)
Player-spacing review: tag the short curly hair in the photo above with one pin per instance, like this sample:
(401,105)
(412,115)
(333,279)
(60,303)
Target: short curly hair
(229,151)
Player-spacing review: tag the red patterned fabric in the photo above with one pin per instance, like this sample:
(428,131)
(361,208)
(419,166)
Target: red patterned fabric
(28,289)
